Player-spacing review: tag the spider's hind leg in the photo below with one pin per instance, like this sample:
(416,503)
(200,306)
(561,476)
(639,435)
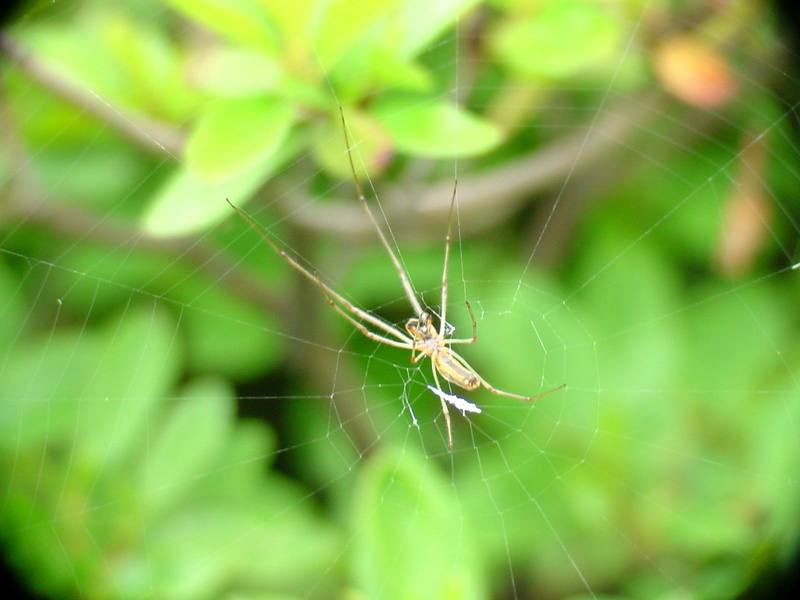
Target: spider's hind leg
(444,410)
(533,398)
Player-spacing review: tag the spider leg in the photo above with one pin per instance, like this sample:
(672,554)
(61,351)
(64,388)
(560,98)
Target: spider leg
(412,297)
(370,334)
(327,290)
(500,392)
(447,240)
(444,409)
(474,337)
(533,398)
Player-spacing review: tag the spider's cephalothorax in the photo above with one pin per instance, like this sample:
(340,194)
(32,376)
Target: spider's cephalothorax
(423,333)
(421,326)
(423,339)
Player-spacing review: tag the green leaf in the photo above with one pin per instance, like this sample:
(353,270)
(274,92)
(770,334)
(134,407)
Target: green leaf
(514,5)
(137,360)
(242,21)
(187,443)
(238,468)
(419,22)
(371,146)
(304,94)
(107,175)
(774,457)
(259,596)
(235,72)
(78,54)
(692,232)
(742,365)
(561,39)
(528,349)
(12,306)
(641,288)
(435,128)
(34,408)
(30,549)
(127,63)
(228,72)
(393,73)
(286,547)
(94,292)
(227,336)
(293,20)
(411,542)
(4,175)
(368,68)
(594,596)
(96,387)
(48,122)
(151,66)
(234,135)
(330,464)
(344,23)
(187,204)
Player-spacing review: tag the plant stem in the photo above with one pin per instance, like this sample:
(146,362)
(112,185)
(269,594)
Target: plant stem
(147,133)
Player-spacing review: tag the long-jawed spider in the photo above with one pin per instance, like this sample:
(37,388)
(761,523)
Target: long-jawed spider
(421,336)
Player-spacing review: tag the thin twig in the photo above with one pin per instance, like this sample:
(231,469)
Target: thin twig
(609,172)
(148,133)
(485,198)
(26,201)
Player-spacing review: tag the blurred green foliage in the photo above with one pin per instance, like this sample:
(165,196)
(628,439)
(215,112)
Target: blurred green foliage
(138,500)
(163,434)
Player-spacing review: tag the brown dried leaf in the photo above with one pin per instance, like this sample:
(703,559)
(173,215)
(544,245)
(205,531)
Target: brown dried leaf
(746,214)
(694,71)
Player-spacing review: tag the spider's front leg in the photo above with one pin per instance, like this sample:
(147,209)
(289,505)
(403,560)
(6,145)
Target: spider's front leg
(362,328)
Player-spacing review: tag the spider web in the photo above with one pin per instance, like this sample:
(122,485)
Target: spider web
(630,471)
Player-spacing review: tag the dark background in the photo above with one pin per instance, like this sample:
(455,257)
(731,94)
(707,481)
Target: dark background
(772,584)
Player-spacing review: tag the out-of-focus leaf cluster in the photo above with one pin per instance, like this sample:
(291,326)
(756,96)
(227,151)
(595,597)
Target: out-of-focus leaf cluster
(254,84)
(130,501)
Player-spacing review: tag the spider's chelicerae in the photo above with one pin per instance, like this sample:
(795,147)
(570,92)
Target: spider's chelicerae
(421,336)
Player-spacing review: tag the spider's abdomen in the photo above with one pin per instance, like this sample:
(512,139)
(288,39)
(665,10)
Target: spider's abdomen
(454,372)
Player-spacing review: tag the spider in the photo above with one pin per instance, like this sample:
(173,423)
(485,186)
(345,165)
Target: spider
(421,336)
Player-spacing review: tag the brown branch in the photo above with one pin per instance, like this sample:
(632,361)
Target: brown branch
(608,173)
(23,203)
(26,201)
(147,133)
(485,199)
